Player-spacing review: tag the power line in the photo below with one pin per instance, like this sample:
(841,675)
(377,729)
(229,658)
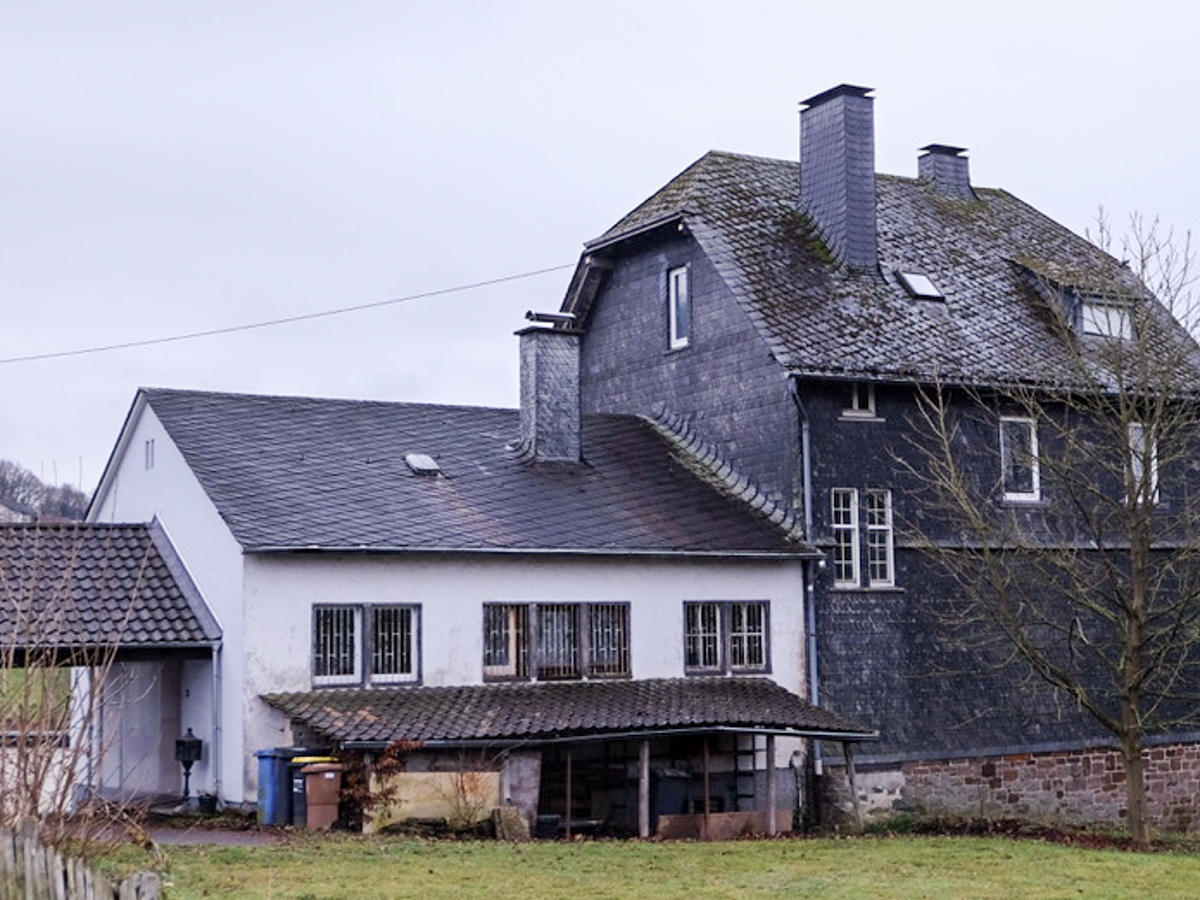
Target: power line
(287,320)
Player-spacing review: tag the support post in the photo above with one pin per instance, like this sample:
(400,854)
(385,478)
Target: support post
(707,796)
(644,790)
(567,811)
(772,799)
(848,752)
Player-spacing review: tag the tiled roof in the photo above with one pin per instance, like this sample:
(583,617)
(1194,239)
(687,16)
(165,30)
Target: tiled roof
(990,257)
(550,710)
(302,473)
(83,586)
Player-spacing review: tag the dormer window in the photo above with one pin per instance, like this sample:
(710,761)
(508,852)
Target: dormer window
(1105,319)
(920,286)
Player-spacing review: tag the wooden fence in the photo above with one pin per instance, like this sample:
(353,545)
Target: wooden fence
(30,871)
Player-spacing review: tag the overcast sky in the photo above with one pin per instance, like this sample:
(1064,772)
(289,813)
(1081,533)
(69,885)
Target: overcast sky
(169,168)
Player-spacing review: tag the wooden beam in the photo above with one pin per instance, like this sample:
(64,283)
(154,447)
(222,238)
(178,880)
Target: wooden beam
(644,790)
(772,798)
(707,799)
(567,811)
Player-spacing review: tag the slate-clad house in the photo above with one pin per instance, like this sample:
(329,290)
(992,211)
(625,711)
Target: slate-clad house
(785,314)
(575,604)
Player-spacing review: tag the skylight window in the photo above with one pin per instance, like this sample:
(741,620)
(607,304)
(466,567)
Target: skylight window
(920,286)
(422,464)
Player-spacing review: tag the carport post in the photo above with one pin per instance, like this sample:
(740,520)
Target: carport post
(772,799)
(644,790)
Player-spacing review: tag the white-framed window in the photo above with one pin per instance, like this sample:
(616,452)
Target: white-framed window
(1020,474)
(679,307)
(880,571)
(1143,463)
(726,636)
(844,520)
(555,641)
(1104,319)
(365,643)
(859,400)
(854,528)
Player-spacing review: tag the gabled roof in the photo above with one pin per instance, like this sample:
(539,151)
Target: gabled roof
(293,473)
(78,588)
(991,257)
(549,711)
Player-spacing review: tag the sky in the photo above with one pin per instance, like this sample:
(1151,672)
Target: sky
(169,169)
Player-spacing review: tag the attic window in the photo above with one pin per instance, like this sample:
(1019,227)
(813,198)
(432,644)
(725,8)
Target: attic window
(1103,319)
(422,464)
(920,286)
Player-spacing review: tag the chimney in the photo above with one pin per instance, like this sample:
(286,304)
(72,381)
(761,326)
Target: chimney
(947,170)
(550,407)
(837,171)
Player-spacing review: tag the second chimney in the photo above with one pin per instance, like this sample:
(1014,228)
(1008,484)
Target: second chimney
(550,408)
(837,171)
(947,170)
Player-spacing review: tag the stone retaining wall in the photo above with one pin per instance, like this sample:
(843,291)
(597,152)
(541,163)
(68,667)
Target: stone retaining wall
(1075,786)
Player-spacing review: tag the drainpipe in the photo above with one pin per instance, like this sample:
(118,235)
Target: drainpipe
(216,722)
(810,569)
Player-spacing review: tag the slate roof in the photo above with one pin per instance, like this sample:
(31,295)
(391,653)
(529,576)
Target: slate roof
(79,587)
(993,258)
(554,710)
(291,473)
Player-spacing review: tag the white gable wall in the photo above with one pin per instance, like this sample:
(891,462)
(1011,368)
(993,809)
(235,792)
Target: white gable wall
(282,588)
(134,491)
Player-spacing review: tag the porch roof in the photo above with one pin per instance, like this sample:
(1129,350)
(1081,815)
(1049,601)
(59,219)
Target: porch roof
(84,588)
(545,712)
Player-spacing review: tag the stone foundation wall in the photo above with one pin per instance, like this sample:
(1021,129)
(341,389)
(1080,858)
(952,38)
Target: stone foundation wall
(1075,786)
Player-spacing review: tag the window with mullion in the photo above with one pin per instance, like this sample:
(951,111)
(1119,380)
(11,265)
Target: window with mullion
(365,643)
(879,538)
(555,641)
(844,514)
(722,637)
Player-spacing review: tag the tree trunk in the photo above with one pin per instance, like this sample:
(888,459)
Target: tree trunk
(1135,789)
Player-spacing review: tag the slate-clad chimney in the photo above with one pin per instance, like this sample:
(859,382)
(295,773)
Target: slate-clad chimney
(837,171)
(550,408)
(947,170)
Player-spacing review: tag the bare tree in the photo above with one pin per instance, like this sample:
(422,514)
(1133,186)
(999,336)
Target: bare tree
(1066,515)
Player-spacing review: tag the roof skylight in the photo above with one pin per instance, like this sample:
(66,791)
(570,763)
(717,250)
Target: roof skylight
(422,464)
(920,286)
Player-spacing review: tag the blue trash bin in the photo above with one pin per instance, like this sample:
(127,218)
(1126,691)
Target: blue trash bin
(275,784)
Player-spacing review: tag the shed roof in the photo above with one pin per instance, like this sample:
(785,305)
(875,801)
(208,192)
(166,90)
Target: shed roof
(548,711)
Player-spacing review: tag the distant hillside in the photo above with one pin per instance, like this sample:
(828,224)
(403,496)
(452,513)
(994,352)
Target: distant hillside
(28,498)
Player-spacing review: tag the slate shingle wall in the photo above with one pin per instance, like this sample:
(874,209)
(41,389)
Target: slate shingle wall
(725,381)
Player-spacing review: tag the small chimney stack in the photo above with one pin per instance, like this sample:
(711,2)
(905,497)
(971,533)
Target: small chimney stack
(550,407)
(837,171)
(947,170)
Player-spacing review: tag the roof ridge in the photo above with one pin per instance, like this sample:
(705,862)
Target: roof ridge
(707,463)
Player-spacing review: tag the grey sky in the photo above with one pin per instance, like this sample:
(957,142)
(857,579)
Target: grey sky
(169,167)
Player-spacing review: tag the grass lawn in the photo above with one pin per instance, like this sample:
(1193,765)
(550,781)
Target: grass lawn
(338,867)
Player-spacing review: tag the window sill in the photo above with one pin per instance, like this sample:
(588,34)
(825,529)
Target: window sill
(865,589)
(855,417)
(1022,502)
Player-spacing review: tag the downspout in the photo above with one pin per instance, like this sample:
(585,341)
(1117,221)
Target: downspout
(216,722)
(810,571)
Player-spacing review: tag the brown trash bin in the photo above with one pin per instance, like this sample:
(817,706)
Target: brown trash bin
(323,790)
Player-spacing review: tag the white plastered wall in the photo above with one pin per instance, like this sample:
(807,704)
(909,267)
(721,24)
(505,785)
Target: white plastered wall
(281,590)
(134,491)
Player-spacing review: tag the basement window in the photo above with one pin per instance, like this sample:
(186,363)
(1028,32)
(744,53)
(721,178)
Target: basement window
(920,286)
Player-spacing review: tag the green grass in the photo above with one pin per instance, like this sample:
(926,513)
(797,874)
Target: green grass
(355,868)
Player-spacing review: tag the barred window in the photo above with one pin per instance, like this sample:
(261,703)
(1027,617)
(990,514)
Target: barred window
(725,636)
(555,641)
(365,644)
